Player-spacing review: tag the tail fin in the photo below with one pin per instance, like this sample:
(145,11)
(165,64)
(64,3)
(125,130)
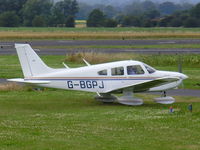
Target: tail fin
(30,62)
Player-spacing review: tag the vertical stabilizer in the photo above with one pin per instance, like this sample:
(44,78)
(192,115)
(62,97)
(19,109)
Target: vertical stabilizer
(30,62)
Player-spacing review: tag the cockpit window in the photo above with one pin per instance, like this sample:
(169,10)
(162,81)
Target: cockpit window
(149,69)
(134,70)
(117,71)
(102,72)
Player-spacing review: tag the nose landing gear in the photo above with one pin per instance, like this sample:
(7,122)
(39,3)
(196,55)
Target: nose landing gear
(164,99)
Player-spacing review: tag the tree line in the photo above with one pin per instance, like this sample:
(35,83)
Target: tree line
(37,13)
(148,18)
(47,13)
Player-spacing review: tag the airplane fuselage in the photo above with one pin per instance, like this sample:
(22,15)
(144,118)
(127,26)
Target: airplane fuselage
(88,78)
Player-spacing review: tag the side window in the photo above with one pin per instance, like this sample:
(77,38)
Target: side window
(102,73)
(118,71)
(136,69)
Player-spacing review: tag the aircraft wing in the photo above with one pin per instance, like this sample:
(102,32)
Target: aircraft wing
(146,85)
(20,80)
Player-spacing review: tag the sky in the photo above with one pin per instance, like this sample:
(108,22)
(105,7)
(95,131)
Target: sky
(116,2)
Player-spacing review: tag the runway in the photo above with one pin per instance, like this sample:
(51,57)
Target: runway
(103,42)
(7,48)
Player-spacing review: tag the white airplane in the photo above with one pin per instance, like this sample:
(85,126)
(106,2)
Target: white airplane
(127,77)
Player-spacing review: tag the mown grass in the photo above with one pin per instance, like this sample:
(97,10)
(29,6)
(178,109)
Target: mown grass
(10,67)
(124,29)
(56,119)
(97,33)
(157,46)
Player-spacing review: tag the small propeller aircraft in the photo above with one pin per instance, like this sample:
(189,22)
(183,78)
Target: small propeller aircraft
(126,77)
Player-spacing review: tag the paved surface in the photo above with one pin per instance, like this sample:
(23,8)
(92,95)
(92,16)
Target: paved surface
(7,48)
(103,42)
(76,50)
(183,92)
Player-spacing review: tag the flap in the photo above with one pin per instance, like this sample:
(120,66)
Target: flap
(20,80)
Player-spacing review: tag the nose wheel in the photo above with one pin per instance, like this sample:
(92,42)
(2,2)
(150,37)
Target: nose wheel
(164,94)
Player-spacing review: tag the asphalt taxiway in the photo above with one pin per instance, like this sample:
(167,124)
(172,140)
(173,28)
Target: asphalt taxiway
(7,48)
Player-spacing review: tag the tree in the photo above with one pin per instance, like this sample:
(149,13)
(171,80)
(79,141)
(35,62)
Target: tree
(191,22)
(73,8)
(109,11)
(164,22)
(84,11)
(63,12)
(176,22)
(131,21)
(168,8)
(33,8)
(149,23)
(152,14)
(110,23)
(58,16)
(38,21)
(11,5)
(70,22)
(9,19)
(134,9)
(195,11)
(148,5)
(96,18)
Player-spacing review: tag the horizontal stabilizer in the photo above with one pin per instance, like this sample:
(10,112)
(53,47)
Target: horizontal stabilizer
(20,80)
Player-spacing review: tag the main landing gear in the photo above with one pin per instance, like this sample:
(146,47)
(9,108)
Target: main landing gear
(129,99)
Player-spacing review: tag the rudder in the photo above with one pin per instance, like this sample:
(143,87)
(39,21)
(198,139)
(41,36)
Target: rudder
(30,62)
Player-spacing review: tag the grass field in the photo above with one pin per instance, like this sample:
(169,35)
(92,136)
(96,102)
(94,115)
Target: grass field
(157,46)
(97,33)
(56,119)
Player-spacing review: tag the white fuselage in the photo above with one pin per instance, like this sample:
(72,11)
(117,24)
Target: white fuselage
(89,79)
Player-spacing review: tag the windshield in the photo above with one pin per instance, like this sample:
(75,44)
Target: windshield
(149,69)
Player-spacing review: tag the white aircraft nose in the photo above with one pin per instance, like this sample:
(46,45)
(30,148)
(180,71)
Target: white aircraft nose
(183,76)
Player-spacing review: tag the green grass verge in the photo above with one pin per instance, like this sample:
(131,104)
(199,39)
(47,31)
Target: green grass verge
(124,29)
(56,119)
(157,46)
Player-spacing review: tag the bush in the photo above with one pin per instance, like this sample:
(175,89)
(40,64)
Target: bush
(110,23)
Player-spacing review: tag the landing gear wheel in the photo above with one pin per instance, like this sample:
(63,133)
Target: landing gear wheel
(164,99)
(129,99)
(126,100)
(106,98)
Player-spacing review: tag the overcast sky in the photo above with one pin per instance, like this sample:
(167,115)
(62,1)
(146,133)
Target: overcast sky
(128,1)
